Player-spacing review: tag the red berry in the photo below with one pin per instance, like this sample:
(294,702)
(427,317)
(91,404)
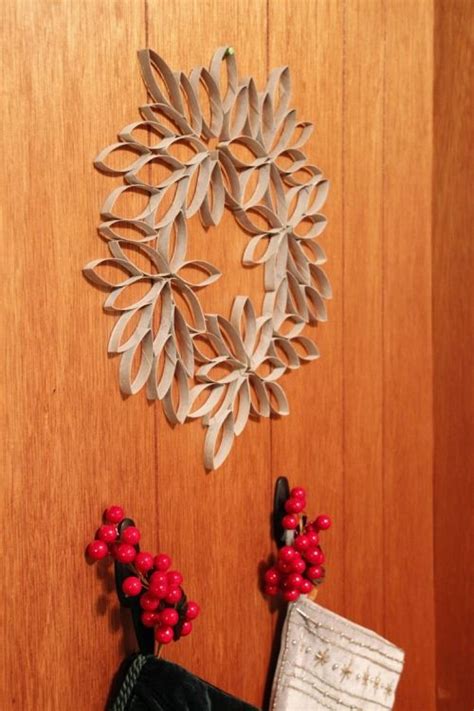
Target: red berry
(192,610)
(106,533)
(301,543)
(174,578)
(285,567)
(169,616)
(295,580)
(149,602)
(186,628)
(97,550)
(162,561)
(174,595)
(314,556)
(143,562)
(271,577)
(164,635)
(158,578)
(130,535)
(306,586)
(132,586)
(298,566)
(114,514)
(159,590)
(298,493)
(291,595)
(286,554)
(124,553)
(289,522)
(159,585)
(149,619)
(294,506)
(313,538)
(271,590)
(323,522)
(315,572)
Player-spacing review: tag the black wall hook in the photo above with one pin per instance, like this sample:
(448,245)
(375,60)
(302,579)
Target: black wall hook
(145,635)
(282,493)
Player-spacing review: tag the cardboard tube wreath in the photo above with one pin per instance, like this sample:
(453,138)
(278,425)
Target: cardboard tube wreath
(163,352)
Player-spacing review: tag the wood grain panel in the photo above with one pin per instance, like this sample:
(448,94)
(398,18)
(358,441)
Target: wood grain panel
(307,446)
(453,341)
(360,432)
(217,524)
(364,56)
(407,419)
(72,445)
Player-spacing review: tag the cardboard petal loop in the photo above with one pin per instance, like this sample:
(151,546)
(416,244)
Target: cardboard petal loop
(260,402)
(310,350)
(201,172)
(213,204)
(183,343)
(214,394)
(193,114)
(129,272)
(252,194)
(138,175)
(277,398)
(164,367)
(101,160)
(243,408)
(292,359)
(320,281)
(127,254)
(215,452)
(111,302)
(213,274)
(172,242)
(142,230)
(131,136)
(212,374)
(154,67)
(116,344)
(195,320)
(109,209)
(242,152)
(176,407)
(219,67)
(167,119)
(143,353)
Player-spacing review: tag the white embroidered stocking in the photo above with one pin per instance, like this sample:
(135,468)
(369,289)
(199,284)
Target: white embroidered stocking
(328,662)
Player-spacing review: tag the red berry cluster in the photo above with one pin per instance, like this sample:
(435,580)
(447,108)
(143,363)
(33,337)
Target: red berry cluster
(299,566)
(162,598)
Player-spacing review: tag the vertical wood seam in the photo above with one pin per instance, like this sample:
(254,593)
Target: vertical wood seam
(433,344)
(156,480)
(342,523)
(432,354)
(145,7)
(382,330)
(432,440)
(271,473)
(267,60)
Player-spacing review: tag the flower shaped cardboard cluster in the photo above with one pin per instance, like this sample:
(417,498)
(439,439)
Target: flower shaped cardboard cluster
(273,194)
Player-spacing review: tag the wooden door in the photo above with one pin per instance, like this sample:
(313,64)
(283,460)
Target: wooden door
(359,435)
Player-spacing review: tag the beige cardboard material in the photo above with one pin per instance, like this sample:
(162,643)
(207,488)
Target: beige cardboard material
(160,341)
